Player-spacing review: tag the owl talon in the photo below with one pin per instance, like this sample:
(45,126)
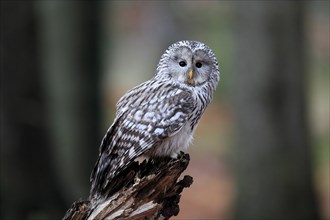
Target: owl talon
(174,155)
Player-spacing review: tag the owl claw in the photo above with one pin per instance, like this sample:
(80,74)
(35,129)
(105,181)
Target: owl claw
(174,155)
(136,181)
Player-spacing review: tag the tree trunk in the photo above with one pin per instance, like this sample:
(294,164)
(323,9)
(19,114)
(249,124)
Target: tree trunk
(28,186)
(148,190)
(273,158)
(69,36)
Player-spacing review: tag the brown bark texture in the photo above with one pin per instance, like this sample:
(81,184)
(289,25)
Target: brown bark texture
(146,190)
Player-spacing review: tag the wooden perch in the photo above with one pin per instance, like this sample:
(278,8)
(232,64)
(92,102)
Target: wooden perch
(149,190)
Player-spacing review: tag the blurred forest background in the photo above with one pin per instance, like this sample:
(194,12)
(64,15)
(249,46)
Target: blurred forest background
(262,148)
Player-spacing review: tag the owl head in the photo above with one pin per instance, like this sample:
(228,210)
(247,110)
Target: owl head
(189,62)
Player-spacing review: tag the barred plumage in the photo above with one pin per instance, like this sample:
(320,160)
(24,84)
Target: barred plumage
(159,116)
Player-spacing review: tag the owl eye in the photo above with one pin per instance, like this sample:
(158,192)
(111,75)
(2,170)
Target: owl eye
(199,65)
(182,63)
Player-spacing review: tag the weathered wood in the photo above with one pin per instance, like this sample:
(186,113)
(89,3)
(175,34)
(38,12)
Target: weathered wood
(147,190)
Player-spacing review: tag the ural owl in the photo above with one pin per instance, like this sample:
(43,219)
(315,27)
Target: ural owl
(158,117)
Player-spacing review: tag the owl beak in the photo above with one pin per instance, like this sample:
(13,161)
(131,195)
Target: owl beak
(191,80)
(190,75)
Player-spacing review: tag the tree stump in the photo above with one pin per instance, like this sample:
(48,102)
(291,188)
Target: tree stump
(147,190)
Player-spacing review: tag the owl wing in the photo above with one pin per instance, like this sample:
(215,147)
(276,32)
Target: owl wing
(146,115)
